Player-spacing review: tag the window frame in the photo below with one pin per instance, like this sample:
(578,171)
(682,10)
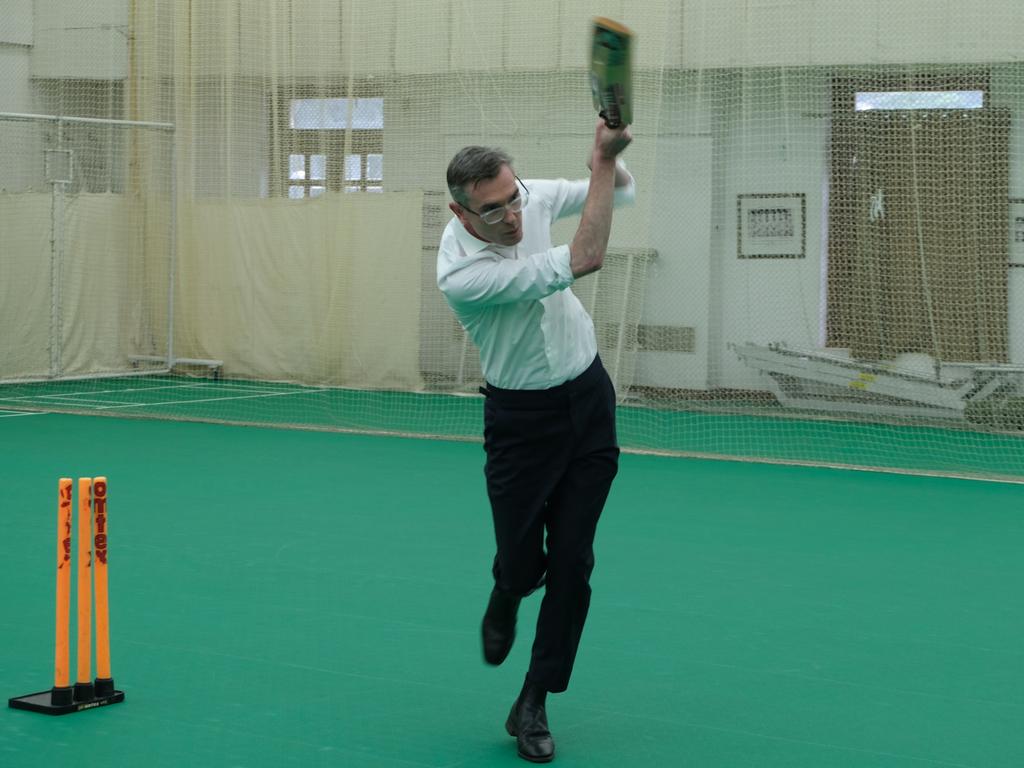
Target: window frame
(335,143)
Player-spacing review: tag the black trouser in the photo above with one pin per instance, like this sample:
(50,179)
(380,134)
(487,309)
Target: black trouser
(551,459)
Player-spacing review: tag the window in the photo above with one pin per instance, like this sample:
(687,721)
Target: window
(867,100)
(336,114)
(329,143)
(307,175)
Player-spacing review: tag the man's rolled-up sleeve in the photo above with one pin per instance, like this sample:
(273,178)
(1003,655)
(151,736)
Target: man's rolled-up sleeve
(567,198)
(486,278)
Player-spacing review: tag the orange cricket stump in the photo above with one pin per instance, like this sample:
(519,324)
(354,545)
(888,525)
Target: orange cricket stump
(83,683)
(61,693)
(64,698)
(104,684)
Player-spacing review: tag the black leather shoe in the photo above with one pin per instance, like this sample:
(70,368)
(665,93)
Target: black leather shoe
(499,626)
(528,722)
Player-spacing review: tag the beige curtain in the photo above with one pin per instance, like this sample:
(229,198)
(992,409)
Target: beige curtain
(25,290)
(310,292)
(100,303)
(319,290)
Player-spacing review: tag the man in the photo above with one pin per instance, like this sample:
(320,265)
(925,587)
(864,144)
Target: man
(549,412)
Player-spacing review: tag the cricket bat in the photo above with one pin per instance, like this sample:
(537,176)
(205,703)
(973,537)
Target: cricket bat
(611,72)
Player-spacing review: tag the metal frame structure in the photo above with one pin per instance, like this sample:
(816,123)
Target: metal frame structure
(169,361)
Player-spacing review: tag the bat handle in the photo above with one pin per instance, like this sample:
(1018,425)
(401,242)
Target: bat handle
(607,121)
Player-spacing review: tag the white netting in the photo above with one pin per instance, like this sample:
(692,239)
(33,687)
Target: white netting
(87,246)
(819,266)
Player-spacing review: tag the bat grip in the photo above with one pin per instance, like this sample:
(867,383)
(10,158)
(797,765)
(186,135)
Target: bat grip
(607,121)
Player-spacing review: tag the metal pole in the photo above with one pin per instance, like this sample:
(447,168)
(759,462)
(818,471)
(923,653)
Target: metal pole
(173,260)
(56,266)
(85,120)
(54,285)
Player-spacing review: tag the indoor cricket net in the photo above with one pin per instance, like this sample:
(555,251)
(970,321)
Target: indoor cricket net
(822,263)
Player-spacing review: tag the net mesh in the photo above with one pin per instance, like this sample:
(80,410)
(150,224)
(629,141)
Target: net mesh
(821,265)
(87,247)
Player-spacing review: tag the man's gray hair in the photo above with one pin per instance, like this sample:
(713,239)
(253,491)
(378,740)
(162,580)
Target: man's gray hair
(472,165)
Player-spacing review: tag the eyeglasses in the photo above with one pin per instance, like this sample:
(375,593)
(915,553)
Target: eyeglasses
(515,205)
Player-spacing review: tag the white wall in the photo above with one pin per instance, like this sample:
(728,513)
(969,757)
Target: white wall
(773,138)
(15,92)
(16,22)
(531,35)
(15,89)
(677,287)
(81,40)
(15,46)
(800,32)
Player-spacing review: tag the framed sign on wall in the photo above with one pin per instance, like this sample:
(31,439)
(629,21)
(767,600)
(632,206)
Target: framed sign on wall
(771,226)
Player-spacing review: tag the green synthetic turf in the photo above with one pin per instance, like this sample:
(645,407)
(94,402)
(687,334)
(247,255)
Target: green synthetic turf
(295,598)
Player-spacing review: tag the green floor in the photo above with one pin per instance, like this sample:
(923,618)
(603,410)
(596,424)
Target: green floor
(296,598)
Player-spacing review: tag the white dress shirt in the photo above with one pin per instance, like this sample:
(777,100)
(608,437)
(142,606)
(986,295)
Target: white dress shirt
(514,301)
